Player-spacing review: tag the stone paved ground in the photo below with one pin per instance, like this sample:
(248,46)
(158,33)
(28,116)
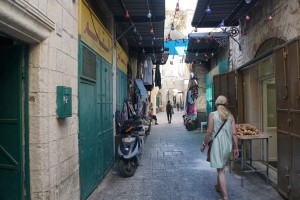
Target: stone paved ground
(173,168)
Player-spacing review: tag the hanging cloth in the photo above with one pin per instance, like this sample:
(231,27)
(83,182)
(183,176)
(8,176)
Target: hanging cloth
(141,89)
(147,71)
(157,77)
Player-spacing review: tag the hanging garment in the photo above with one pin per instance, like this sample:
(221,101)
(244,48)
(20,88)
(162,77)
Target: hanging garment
(157,77)
(189,97)
(147,72)
(192,109)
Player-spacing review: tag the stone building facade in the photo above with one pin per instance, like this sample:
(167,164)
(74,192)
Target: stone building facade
(284,25)
(268,62)
(53,142)
(49,31)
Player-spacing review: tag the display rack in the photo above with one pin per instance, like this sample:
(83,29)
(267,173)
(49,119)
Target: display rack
(246,164)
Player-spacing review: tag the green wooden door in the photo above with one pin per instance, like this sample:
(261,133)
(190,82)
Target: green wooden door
(106,91)
(157,102)
(10,123)
(122,92)
(88,145)
(95,119)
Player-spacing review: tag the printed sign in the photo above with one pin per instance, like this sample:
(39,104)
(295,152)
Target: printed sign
(122,59)
(93,33)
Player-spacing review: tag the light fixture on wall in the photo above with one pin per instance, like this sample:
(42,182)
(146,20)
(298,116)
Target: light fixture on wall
(248,1)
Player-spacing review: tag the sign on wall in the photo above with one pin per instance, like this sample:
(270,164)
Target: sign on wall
(122,59)
(93,33)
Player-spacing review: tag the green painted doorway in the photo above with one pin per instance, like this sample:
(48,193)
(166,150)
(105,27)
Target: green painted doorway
(95,119)
(11,154)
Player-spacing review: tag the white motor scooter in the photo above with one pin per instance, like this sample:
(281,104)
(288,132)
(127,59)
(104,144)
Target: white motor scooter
(130,146)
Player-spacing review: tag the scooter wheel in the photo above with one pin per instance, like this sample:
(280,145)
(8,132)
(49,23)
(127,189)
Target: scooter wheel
(127,168)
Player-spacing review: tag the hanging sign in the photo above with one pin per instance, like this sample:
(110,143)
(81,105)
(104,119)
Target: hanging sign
(93,33)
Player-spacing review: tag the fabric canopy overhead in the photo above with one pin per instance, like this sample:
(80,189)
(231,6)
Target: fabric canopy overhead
(176,47)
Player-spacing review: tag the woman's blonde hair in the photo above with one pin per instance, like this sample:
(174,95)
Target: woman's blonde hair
(221,103)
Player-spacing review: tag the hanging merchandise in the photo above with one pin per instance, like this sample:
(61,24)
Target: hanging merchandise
(157,77)
(191,110)
(147,71)
(141,90)
(148,74)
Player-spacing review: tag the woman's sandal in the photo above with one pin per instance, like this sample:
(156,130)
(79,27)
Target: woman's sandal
(217,188)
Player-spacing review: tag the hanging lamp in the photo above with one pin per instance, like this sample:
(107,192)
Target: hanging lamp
(172,27)
(126,16)
(270,18)
(177,7)
(247,18)
(149,15)
(208,10)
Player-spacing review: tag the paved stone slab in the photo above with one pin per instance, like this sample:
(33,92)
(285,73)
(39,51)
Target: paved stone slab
(173,168)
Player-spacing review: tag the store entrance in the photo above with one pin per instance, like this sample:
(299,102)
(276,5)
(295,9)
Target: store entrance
(11,153)
(269,117)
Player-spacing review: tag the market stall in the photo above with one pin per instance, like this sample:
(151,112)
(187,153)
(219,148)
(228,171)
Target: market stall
(247,134)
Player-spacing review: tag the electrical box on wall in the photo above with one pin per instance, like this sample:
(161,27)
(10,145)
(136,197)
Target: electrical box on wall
(63,101)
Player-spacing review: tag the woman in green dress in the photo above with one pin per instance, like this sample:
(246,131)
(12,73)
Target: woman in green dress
(222,145)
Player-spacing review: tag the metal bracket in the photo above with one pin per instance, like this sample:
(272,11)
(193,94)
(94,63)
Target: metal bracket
(229,35)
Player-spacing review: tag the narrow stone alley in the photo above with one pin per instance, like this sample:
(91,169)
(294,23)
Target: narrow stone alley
(172,167)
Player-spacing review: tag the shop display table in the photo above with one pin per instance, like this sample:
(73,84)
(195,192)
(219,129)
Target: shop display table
(246,163)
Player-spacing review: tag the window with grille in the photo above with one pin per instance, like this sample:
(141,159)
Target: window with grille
(88,64)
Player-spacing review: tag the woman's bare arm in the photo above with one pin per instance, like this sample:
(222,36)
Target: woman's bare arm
(208,131)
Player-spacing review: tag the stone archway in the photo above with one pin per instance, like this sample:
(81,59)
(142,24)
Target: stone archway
(158,100)
(268,44)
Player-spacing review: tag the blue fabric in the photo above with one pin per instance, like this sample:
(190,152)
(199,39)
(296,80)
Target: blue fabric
(176,47)
(142,89)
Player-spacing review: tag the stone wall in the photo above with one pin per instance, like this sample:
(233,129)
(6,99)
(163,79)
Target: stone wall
(200,71)
(54,167)
(285,25)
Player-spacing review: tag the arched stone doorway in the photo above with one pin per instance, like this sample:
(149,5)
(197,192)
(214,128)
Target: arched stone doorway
(158,101)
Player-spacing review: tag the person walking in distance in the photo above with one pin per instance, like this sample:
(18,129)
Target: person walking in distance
(222,124)
(169,109)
